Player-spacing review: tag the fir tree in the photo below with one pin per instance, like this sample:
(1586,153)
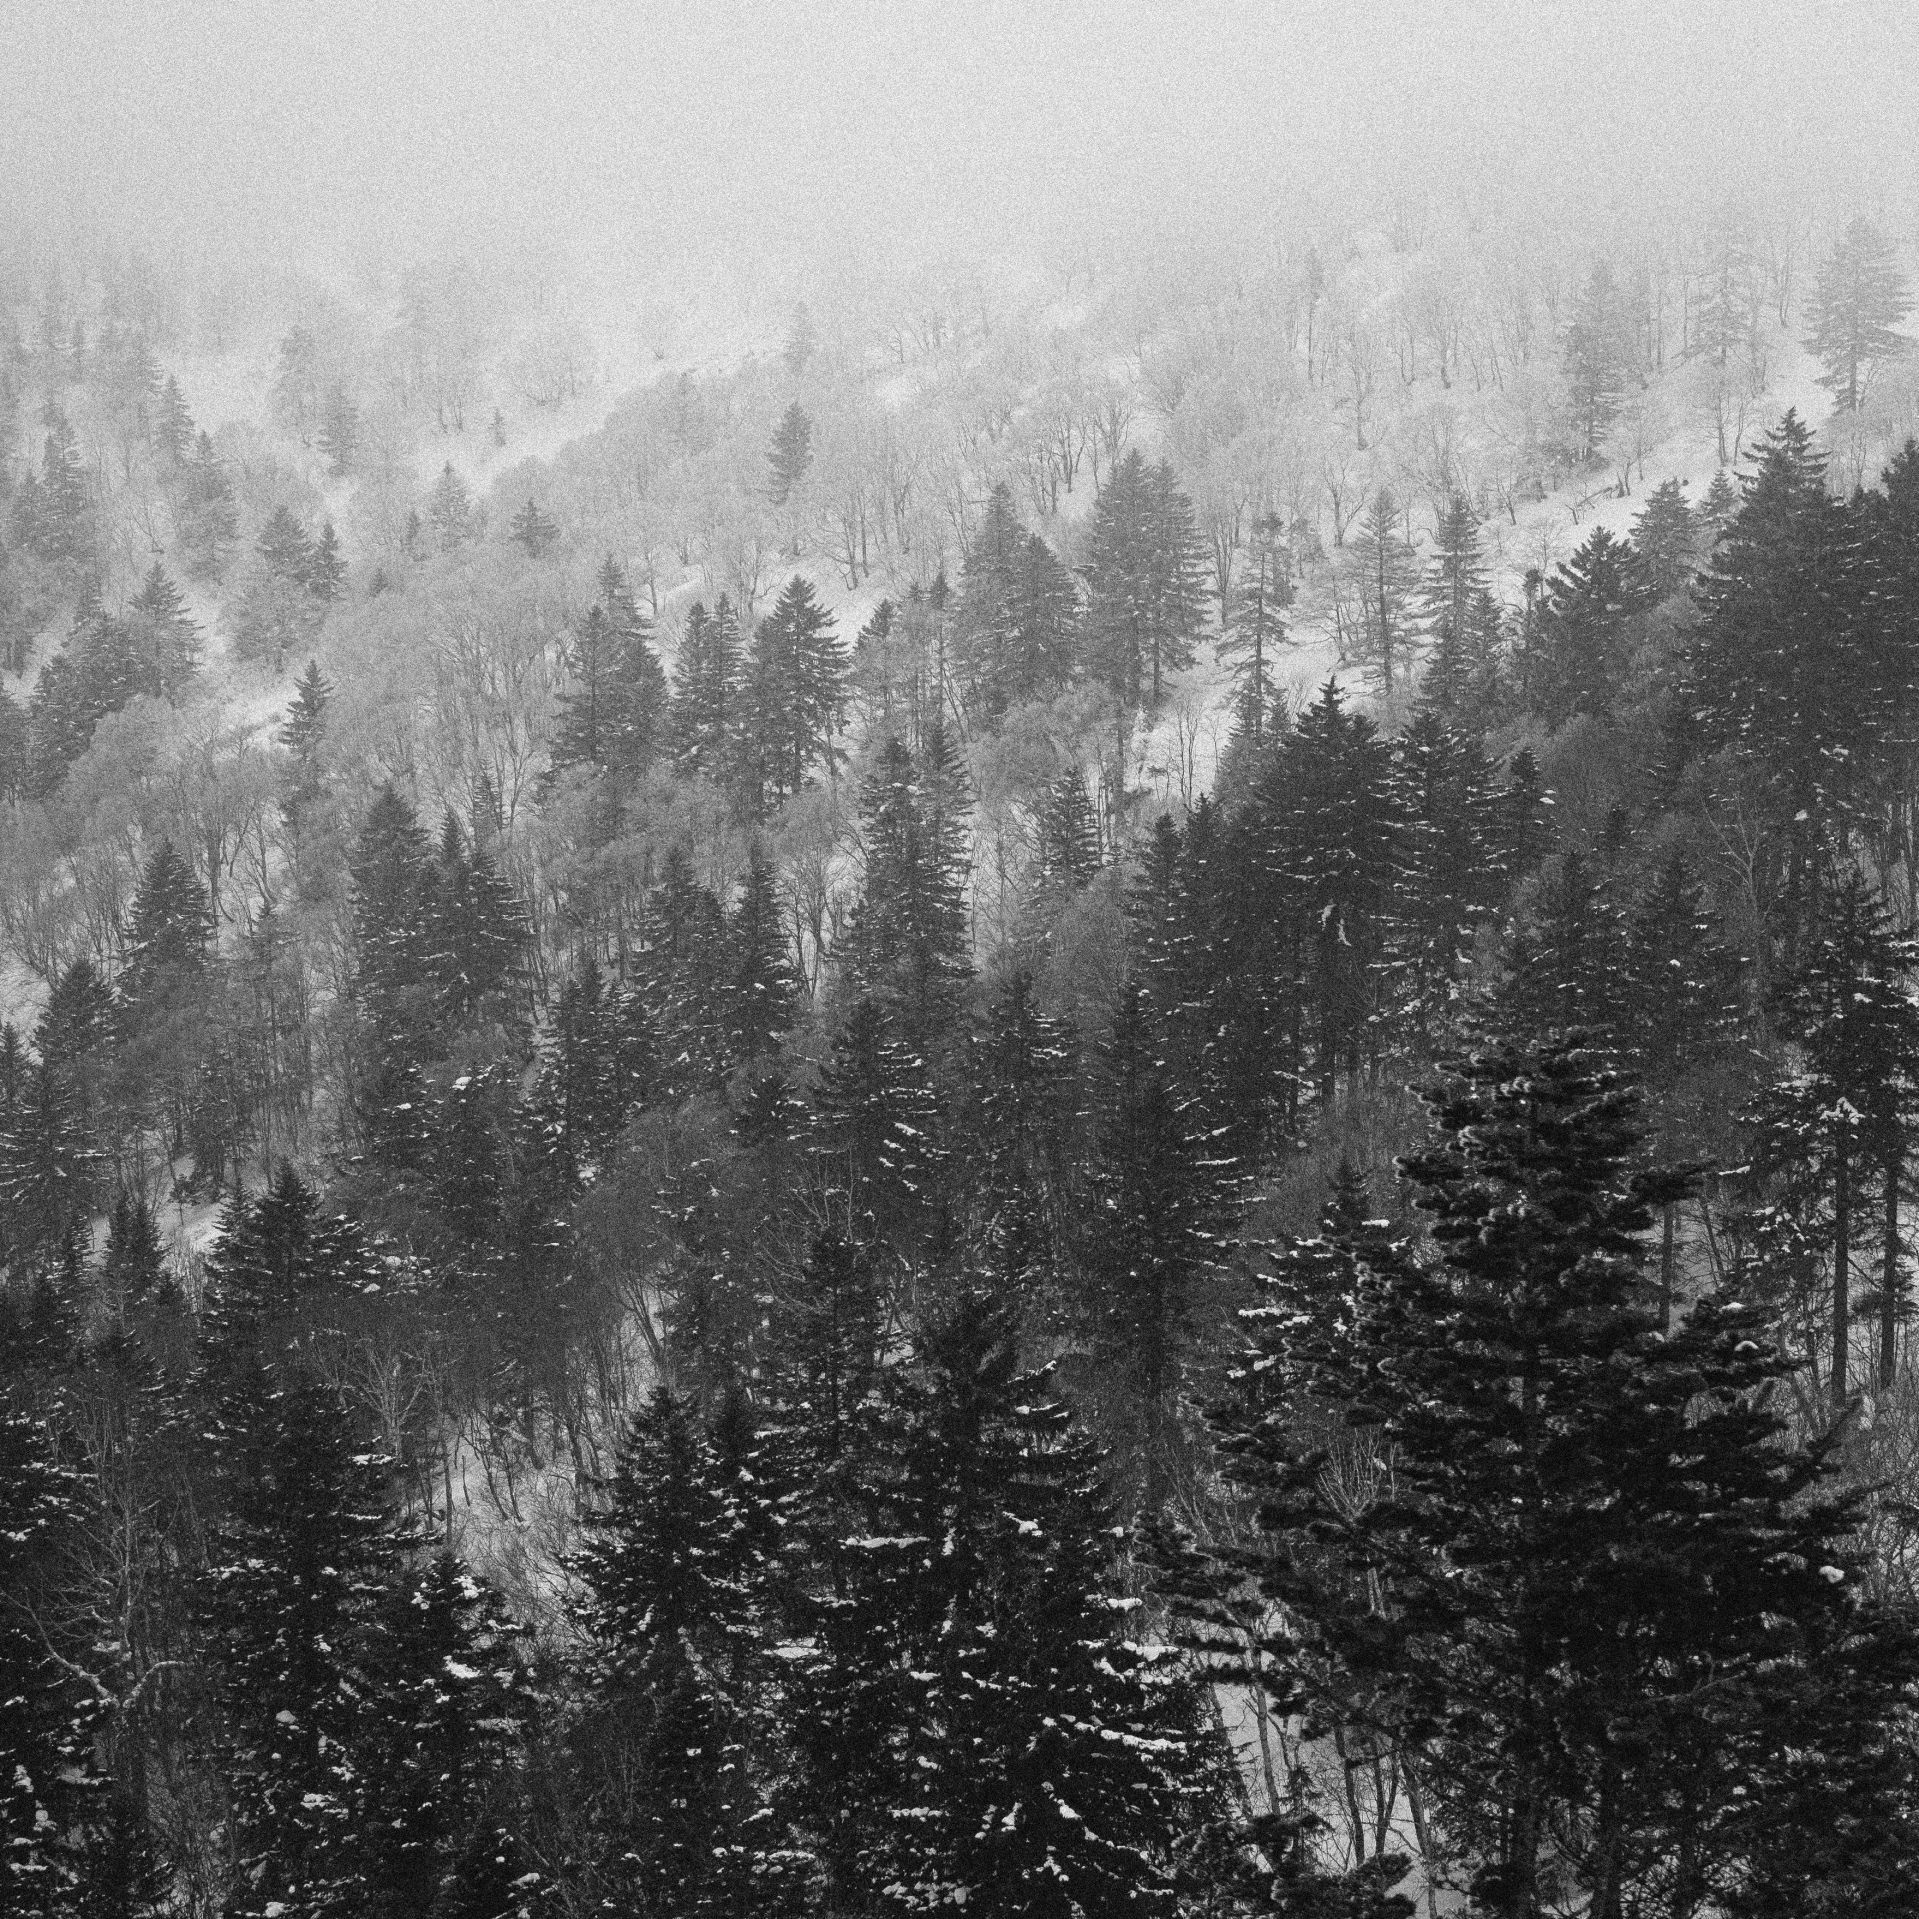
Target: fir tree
(1255,629)
(206,519)
(1665,538)
(790,454)
(534,530)
(1597,361)
(1014,628)
(1143,607)
(908,942)
(763,985)
(1587,630)
(1598,1569)
(706,694)
(326,575)
(293,1588)
(173,432)
(795,693)
(449,510)
(1386,573)
(166,637)
(1857,303)
(1067,852)
(339,432)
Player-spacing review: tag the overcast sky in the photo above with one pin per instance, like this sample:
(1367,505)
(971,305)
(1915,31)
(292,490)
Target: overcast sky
(873,127)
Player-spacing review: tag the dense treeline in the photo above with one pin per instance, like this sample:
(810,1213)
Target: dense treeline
(815,1307)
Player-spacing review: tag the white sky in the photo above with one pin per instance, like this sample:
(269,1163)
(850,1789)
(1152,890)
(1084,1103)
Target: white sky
(870,128)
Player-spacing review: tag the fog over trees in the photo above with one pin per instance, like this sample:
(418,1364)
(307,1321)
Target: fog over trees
(958,962)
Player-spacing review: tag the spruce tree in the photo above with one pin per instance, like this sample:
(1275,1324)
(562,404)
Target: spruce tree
(1597,361)
(794,696)
(1014,624)
(762,982)
(449,510)
(790,454)
(1599,1569)
(293,1586)
(326,574)
(1385,571)
(1067,849)
(533,529)
(1857,303)
(166,637)
(908,942)
(1665,538)
(339,432)
(1589,625)
(706,694)
(1143,607)
(173,424)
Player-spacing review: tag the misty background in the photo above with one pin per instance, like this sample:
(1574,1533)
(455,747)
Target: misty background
(636,142)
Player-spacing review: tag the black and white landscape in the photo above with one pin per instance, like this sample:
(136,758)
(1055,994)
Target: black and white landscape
(959,961)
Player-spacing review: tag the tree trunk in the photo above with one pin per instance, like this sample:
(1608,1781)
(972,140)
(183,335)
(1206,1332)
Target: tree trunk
(1889,1272)
(1841,1263)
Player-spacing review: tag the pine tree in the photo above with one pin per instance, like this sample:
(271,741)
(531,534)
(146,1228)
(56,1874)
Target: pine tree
(1857,303)
(1014,627)
(908,942)
(449,510)
(1049,1764)
(206,519)
(1597,362)
(1598,1569)
(534,530)
(173,432)
(47,1770)
(706,694)
(293,1587)
(762,981)
(339,432)
(790,454)
(1386,572)
(1067,850)
(876,1141)
(1255,628)
(1162,1198)
(166,637)
(1588,628)
(795,694)
(1829,1126)
(1780,669)
(447,1701)
(285,549)
(1665,539)
(1143,607)
(326,576)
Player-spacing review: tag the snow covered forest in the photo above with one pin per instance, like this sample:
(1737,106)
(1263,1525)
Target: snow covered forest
(1062,1072)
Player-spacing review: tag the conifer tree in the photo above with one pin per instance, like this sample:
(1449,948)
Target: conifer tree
(1599,1569)
(1014,626)
(46,1765)
(1587,630)
(326,575)
(285,548)
(534,530)
(908,942)
(1386,573)
(1143,609)
(168,927)
(1162,1199)
(447,1702)
(1048,1764)
(876,1141)
(449,510)
(795,694)
(1665,539)
(293,1587)
(790,454)
(1857,303)
(206,518)
(1067,853)
(173,425)
(762,983)
(1255,629)
(706,694)
(339,432)
(166,637)
(1597,361)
